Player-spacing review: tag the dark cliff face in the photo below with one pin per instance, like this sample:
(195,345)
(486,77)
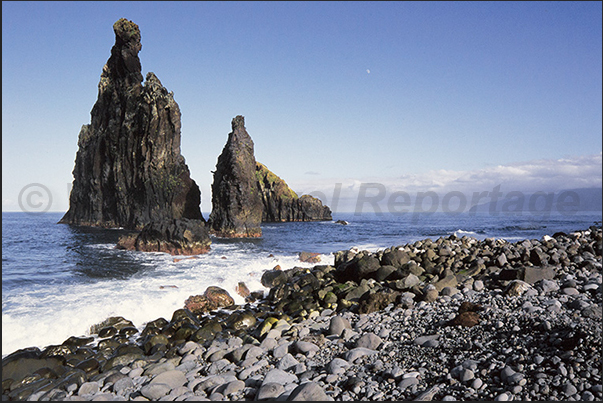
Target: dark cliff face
(236,203)
(280,203)
(128,169)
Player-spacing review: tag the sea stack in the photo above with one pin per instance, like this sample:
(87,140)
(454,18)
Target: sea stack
(281,203)
(236,202)
(128,170)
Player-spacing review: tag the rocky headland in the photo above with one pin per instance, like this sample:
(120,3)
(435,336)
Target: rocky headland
(246,193)
(129,171)
(446,319)
(282,204)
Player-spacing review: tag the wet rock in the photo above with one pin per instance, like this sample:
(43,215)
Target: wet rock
(22,363)
(212,299)
(78,341)
(107,332)
(90,366)
(174,236)
(309,257)
(117,322)
(241,320)
(242,290)
(153,341)
(273,278)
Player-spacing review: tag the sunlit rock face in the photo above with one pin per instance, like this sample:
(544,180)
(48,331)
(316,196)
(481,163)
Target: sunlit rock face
(282,204)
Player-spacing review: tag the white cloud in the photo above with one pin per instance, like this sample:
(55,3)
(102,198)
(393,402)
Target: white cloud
(528,176)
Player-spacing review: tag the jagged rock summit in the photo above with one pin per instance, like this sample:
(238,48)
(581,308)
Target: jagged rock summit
(246,193)
(128,170)
(236,202)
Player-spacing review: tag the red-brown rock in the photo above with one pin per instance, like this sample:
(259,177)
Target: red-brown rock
(466,319)
(242,290)
(212,299)
(309,257)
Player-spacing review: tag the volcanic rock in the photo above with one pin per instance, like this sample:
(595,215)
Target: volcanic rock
(309,257)
(212,299)
(236,202)
(128,169)
(176,237)
(466,319)
(281,203)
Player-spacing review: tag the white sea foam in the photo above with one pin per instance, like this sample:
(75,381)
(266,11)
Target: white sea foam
(49,315)
(53,286)
(461,232)
(370,247)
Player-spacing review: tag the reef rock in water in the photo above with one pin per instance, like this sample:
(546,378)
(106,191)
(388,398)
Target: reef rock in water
(236,202)
(128,170)
(176,237)
(282,204)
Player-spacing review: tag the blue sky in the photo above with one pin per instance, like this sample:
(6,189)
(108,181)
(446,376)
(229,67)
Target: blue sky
(414,95)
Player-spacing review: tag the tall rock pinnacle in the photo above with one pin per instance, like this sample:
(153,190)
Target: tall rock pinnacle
(236,202)
(128,169)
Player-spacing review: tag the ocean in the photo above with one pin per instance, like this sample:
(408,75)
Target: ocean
(58,280)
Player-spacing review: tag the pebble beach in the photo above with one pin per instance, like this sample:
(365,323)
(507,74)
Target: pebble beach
(444,319)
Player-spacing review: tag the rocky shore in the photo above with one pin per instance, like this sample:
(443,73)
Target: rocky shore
(446,319)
